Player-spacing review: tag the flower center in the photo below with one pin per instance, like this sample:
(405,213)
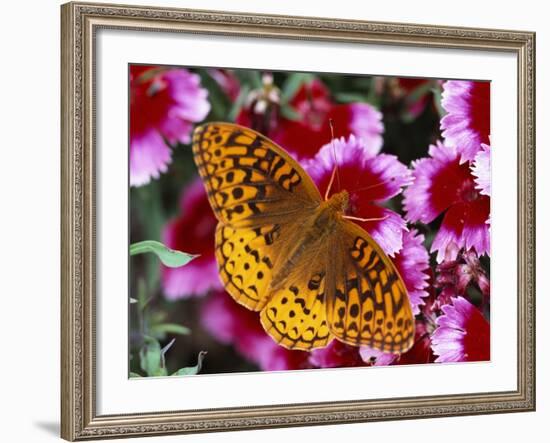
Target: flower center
(468,192)
(314,110)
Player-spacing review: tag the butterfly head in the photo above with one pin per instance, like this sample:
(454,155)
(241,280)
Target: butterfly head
(339,202)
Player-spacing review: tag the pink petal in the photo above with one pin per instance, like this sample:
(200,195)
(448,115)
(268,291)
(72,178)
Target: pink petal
(176,129)
(190,99)
(389,177)
(377,358)
(464,225)
(462,333)
(466,125)
(482,170)
(366,123)
(413,264)
(149,156)
(387,232)
(371,177)
(434,186)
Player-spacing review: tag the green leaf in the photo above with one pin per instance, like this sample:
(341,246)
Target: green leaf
(134,375)
(192,370)
(249,77)
(417,94)
(255,79)
(420,91)
(216,96)
(163,352)
(151,358)
(293,83)
(350,97)
(142,298)
(372,97)
(239,103)
(169,257)
(169,328)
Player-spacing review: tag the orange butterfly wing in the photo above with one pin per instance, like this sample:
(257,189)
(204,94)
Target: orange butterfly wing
(367,302)
(250,180)
(258,194)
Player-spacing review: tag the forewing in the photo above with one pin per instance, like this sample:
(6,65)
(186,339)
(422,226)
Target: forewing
(367,302)
(250,180)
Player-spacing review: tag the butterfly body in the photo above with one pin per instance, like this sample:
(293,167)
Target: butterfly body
(284,251)
(316,232)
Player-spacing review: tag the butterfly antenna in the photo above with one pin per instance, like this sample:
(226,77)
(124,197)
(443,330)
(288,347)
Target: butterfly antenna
(382,183)
(335,172)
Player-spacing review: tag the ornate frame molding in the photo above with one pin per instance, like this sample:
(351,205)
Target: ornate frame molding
(79,23)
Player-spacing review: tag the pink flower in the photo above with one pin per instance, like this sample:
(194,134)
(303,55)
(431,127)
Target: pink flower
(443,185)
(467,123)
(164,104)
(462,333)
(481,169)
(303,135)
(371,179)
(193,232)
(233,324)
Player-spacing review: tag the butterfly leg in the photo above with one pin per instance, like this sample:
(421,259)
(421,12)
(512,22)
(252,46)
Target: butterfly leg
(350,217)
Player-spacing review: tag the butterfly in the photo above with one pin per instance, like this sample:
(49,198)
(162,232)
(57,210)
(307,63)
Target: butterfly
(296,258)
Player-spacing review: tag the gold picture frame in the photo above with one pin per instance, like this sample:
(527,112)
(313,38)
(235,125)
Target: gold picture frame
(80,21)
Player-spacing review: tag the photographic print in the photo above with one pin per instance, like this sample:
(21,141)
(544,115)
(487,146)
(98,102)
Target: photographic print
(323,216)
(292,220)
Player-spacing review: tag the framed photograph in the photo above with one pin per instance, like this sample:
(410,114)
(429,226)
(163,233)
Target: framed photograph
(280,221)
